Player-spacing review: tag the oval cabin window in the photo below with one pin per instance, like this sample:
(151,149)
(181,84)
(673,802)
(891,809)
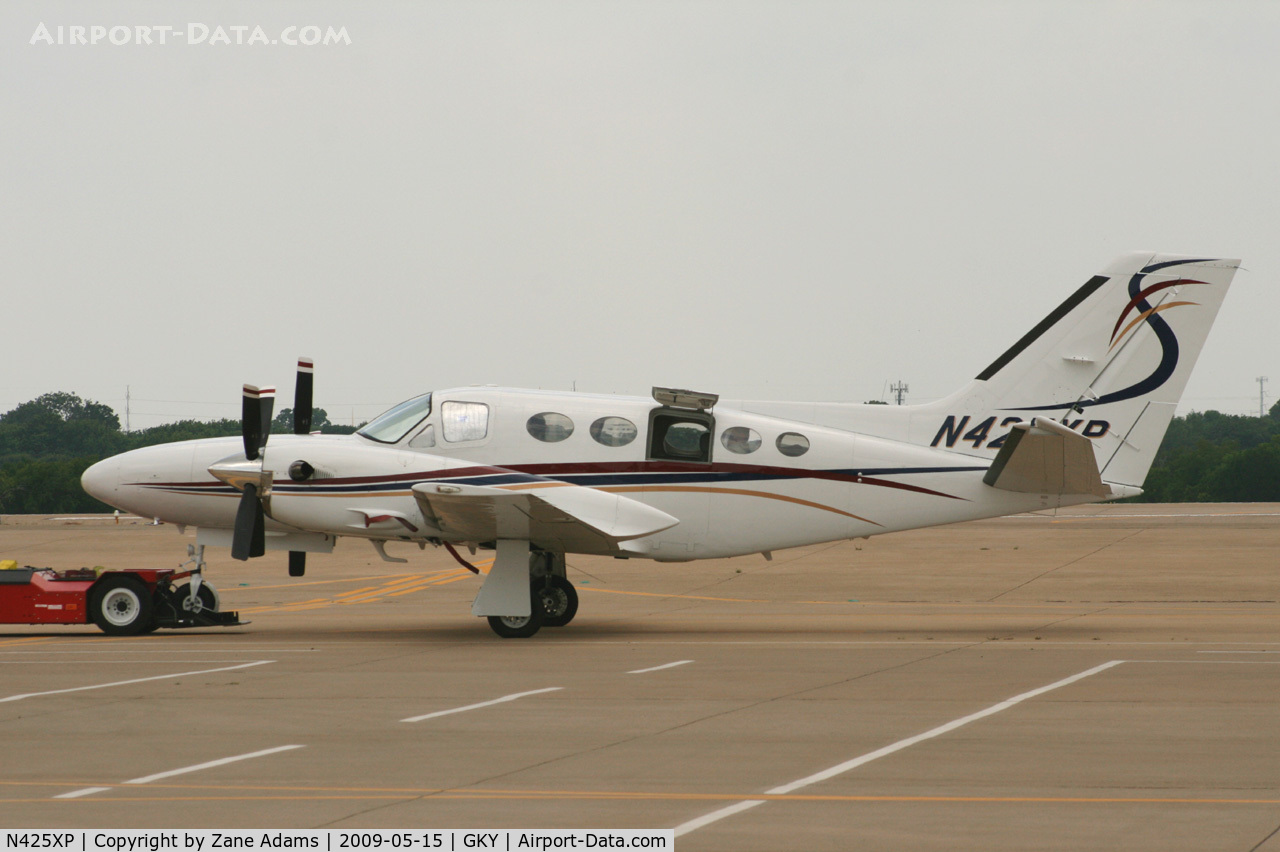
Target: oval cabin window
(740,440)
(793,444)
(613,431)
(549,426)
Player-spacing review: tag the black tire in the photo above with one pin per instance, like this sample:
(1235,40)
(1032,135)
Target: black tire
(121,606)
(516,627)
(207,595)
(559,601)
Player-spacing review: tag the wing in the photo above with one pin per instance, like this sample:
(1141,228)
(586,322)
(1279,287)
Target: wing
(553,515)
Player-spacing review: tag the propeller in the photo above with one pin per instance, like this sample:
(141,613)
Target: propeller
(302,393)
(249,534)
(302,397)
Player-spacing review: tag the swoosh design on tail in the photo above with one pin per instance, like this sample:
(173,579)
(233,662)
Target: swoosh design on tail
(1168,340)
(1140,317)
(1154,288)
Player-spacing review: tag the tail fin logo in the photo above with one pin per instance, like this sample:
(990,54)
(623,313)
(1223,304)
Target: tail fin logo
(1150,314)
(1117,336)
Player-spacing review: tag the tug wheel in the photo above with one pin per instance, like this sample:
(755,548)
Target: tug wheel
(120,606)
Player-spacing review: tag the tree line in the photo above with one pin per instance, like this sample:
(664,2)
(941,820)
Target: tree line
(45,444)
(1210,457)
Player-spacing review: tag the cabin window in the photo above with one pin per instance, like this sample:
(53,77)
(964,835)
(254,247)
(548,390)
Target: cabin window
(613,431)
(793,444)
(393,425)
(680,436)
(425,438)
(549,426)
(464,421)
(740,440)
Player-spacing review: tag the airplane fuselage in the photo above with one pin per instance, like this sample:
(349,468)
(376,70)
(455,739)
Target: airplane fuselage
(741,482)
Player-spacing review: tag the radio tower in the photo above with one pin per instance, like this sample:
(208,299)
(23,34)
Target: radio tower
(1261,380)
(899,390)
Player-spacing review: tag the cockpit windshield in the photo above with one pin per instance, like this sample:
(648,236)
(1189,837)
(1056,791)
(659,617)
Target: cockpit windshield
(393,425)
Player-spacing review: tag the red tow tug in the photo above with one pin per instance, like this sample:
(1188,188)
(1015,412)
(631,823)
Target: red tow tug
(121,603)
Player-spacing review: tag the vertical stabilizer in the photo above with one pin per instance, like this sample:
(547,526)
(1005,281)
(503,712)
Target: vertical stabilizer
(1111,363)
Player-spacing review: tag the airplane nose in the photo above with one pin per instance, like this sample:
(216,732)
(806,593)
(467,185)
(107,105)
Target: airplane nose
(102,480)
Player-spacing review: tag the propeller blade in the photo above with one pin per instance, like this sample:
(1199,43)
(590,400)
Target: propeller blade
(302,398)
(268,397)
(251,421)
(249,537)
(297,563)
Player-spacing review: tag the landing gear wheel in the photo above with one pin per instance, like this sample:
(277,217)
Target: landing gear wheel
(559,601)
(516,626)
(206,599)
(120,606)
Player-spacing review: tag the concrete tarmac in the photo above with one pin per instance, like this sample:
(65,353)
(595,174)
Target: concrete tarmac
(1106,677)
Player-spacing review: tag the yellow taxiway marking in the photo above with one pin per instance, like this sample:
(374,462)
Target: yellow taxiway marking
(30,641)
(465,575)
(358,592)
(683,597)
(292,793)
(329,582)
(397,585)
(1083,608)
(408,591)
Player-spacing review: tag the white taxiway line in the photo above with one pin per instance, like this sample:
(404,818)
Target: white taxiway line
(135,680)
(841,768)
(660,668)
(147,779)
(87,791)
(501,700)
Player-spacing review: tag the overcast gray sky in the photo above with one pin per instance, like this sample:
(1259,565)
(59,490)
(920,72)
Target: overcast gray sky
(790,200)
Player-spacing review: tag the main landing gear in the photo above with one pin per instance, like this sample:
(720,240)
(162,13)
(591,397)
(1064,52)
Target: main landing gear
(552,600)
(558,598)
(553,603)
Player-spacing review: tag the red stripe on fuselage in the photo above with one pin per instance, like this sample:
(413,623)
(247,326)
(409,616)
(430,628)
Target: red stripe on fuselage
(555,471)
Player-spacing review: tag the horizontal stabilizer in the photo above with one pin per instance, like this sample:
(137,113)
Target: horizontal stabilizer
(552,515)
(1045,457)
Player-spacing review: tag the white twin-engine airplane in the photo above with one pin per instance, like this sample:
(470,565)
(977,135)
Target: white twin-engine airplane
(1072,413)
